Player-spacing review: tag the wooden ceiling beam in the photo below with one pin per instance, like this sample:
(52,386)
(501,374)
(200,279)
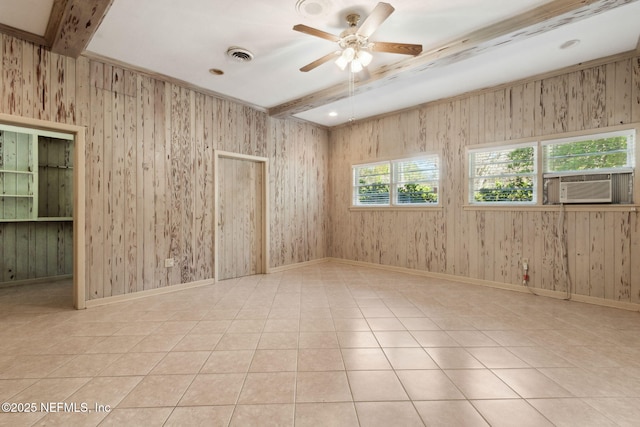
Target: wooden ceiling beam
(73,23)
(537,21)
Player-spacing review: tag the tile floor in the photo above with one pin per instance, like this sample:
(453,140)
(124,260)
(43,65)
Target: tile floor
(327,345)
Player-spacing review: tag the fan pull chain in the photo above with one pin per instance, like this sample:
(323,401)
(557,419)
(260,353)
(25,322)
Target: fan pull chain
(352,91)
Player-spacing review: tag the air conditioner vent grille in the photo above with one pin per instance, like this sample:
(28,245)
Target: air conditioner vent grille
(586,191)
(239,54)
(616,188)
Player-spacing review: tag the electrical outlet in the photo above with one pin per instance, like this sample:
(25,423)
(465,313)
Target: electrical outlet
(168,263)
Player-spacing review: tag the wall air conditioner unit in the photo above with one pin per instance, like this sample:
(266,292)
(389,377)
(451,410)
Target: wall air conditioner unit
(586,191)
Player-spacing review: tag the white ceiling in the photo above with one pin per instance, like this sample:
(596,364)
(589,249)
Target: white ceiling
(28,15)
(184,39)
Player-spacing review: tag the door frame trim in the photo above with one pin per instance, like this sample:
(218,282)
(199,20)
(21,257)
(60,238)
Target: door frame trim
(217,155)
(78,132)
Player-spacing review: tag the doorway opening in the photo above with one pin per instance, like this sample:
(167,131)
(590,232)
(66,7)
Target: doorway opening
(42,203)
(241,215)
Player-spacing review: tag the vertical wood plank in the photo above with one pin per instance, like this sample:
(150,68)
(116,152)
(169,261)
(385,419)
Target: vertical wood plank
(515,119)
(161,173)
(622,270)
(634,255)
(515,235)
(609,254)
(70,90)
(597,255)
(58,88)
(489,245)
(132,224)
(42,107)
(501,246)
(95,198)
(12,80)
(118,195)
(175,189)
(581,279)
(501,110)
(623,90)
(635,90)
(28,79)
(109,213)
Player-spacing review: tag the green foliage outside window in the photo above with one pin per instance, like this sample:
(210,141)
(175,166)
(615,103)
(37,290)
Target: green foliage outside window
(407,193)
(512,188)
(519,189)
(416,193)
(408,177)
(604,153)
(506,176)
(373,194)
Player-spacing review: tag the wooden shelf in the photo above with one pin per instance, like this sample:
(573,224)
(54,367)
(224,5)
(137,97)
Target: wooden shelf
(42,219)
(55,166)
(16,172)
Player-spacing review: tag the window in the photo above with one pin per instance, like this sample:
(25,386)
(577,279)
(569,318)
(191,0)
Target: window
(610,151)
(416,180)
(397,183)
(503,174)
(371,184)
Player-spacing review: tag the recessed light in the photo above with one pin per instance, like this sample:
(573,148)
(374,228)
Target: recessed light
(216,71)
(333,114)
(569,44)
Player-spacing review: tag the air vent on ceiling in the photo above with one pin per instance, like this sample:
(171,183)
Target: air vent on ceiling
(239,54)
(313,8)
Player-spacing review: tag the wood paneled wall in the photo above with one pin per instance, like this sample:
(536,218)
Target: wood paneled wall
(603,246)
(55,177)
(149,167)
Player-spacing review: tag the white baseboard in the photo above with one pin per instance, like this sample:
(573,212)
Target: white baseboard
(36,281)
(175,288)
(297,265)
(148,293)
(460,279)
(498,285)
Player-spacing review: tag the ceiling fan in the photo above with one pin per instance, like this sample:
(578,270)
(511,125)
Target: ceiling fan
(354,41)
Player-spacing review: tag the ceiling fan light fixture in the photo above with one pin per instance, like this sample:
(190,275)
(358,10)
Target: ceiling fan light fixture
(349,53)
(345,58)
(356,66)
(354,41)
(364,57)
(341,62)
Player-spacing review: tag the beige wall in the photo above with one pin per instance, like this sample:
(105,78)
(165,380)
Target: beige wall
(603,245)
(149,167)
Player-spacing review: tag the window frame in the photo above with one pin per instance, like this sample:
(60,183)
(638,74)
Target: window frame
(503,147)
(394,181)
(355,185)
(631,152)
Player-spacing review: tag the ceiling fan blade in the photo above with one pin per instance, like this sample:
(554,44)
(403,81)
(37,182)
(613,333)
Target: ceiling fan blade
(315,32)
(320,61)
(377,17)
(402,48)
